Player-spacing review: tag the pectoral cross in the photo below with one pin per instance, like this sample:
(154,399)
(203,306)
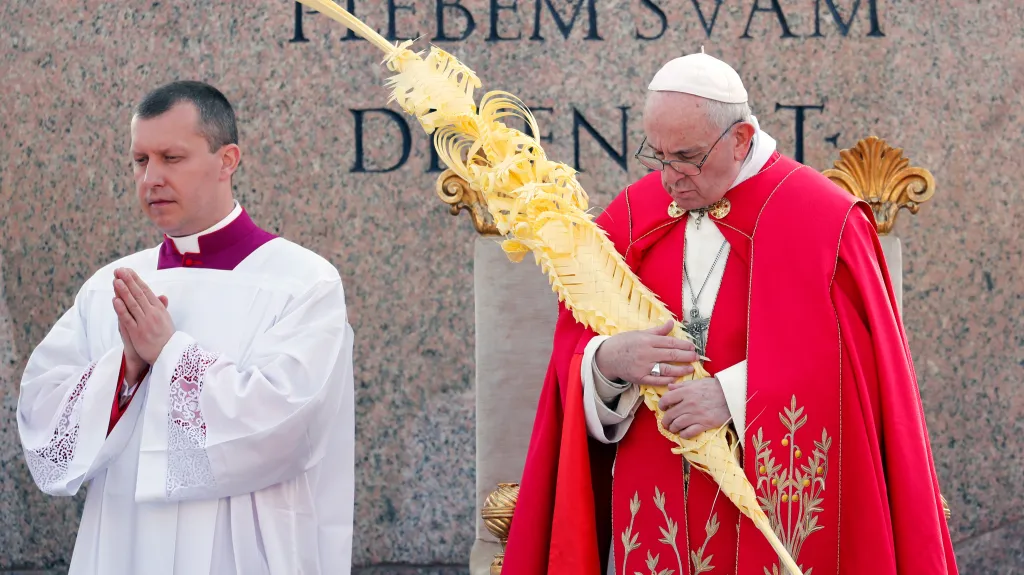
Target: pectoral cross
(699,216)
(697,328)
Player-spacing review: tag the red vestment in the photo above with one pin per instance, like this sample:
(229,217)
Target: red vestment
(836,444)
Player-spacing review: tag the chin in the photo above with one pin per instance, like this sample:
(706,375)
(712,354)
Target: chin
(688,200)
(166,225)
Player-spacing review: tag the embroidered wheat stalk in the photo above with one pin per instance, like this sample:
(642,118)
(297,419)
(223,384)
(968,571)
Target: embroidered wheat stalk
(540,208)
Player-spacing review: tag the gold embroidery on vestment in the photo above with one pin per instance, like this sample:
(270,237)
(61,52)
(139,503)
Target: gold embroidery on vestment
(702,564)
(671,529)
(630,541)
(669,535)
(791,495)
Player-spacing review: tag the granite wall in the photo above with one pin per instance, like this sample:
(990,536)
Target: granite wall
(329,165)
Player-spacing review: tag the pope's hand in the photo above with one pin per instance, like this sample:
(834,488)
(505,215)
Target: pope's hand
(692,407)
(630,356)
(144,315)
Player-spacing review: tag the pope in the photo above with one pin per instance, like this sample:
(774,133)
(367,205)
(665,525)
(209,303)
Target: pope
(778,276)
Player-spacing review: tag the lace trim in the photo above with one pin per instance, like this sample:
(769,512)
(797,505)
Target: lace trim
(187,462)
(49,465)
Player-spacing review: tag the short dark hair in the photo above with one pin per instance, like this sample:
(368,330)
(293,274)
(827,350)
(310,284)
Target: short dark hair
(216,116)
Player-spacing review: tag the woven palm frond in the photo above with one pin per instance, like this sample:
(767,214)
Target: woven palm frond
(540,208)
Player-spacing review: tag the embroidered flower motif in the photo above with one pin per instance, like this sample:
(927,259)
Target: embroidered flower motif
(652,564)
(671,529)
(702,564)
(629,539)
(669,535)
(791,495)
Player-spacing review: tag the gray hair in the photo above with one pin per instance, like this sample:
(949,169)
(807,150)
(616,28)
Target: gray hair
(724,115)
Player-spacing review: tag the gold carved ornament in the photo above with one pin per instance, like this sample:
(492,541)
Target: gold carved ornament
(497,514)
(457,193)
(879,174)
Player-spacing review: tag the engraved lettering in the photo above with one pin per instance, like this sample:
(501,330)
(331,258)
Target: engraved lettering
(618,157)
(360,161)
(714,16)
(798,140)
(393,8)
(563,27)
(661,16)
(443,6)
(778,14)
(549,137)
(298,36)
(496,9)
(844,27)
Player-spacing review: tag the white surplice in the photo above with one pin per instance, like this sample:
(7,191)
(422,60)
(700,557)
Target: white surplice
(236,455)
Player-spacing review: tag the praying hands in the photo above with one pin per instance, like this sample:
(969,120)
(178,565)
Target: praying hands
(143,320)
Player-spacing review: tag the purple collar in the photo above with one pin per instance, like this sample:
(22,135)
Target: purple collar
(220,250)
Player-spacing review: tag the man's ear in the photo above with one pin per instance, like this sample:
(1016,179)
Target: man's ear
(230,158)
(744,135)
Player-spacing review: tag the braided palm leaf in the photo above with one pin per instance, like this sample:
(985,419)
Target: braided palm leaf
(540,208)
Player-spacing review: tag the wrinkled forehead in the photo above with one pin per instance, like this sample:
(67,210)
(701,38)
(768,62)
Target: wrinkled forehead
(675,121)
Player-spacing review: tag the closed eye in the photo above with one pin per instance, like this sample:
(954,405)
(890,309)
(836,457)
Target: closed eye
(686,154)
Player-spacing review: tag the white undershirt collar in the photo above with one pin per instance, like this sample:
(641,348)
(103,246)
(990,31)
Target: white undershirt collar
(762,147)
(190,244)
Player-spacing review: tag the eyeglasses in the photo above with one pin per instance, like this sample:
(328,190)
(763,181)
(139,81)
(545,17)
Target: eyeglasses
(681,166)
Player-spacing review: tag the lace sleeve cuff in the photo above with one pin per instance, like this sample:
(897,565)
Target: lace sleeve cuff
(49,464)
(65,451)
(174,458)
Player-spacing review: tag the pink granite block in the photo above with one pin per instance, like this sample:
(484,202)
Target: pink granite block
(998,552)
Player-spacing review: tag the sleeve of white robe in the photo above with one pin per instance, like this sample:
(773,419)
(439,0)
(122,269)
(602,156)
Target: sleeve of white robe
(215,427)
(64,407)
(609,425)
(734,385)
(605,424)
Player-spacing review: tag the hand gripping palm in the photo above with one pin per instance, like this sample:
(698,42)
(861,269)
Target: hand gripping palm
(538,205)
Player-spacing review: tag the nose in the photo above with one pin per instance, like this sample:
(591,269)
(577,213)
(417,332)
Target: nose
(153,175)
(671,179)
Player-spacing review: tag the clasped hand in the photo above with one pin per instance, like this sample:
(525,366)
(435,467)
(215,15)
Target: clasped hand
(691,407)
(142,319)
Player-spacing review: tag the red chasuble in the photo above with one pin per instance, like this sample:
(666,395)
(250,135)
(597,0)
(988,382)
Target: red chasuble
(835,442)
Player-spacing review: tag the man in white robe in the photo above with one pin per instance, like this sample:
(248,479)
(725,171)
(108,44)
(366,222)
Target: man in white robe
(201,390)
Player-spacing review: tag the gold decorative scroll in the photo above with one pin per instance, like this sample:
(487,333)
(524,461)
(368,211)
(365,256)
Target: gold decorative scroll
(880,175)
(459,195)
